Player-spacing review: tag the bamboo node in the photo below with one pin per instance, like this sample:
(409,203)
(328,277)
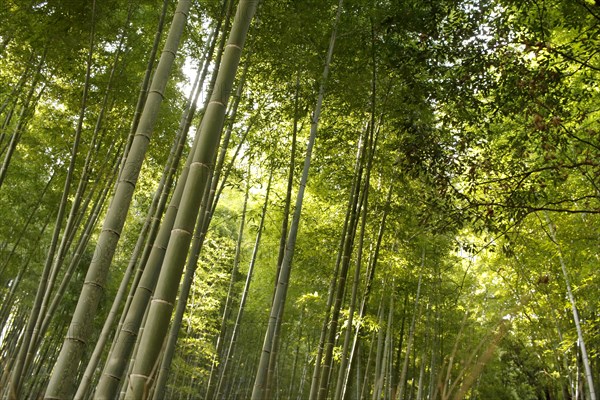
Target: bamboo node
(144,134)
(234,45)
(216,102)
(159,92)
(170,52)
(130,331)
(142,376)
(112,376)
(113,231)
(75,339)
(179,230)
(96,284)
(162,302)
(185,14)
(130,182)
(200,164)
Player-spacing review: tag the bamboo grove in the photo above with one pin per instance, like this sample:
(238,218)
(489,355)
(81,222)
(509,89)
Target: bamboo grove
(348,200)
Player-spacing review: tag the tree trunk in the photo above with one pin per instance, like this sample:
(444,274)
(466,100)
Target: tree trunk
(238,320)
(62,381)
(371,145)
(296,354)
(332,286)
(21,361)
(26,111)
(258,391)
(71,225)
(283,237)
(152,257)
(370,275)
(171,339)
(147,235)
(420,387)
(82,242)
(433,366)
(228,300)
(379,353)
(584,355)
(143,93)
(162,305)
(151,260)
(411,334)
(209,202)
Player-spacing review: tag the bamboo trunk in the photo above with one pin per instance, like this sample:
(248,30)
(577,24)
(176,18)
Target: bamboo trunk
(162,305)
(581,342)
(258,391)
(62,382)
(30,332)
(238,320)
(411,335)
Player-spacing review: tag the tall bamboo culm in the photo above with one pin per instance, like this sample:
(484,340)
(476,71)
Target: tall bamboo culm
(63,379)
(161,306)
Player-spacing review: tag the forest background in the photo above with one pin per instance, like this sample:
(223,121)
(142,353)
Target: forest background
(299,199)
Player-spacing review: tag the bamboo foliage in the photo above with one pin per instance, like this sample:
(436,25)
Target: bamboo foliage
(425,268)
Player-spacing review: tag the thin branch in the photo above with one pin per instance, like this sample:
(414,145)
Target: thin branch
(572,58)
(538,170)
(587,7)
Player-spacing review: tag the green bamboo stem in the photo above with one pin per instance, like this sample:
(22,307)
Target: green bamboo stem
(161,306)
(62,381)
